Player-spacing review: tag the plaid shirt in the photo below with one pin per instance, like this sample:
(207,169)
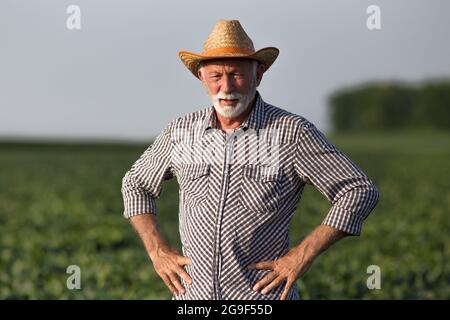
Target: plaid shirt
(239,192)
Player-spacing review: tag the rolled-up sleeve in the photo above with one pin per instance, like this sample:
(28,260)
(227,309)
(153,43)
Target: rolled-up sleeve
(351,193)
(143,182)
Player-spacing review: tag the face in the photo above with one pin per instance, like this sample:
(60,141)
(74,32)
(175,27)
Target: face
(231,84)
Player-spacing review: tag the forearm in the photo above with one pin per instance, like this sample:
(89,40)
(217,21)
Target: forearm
(297,261)
(168,264)
(147,228)
(319,240)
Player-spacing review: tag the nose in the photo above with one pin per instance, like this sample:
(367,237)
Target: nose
(227,85)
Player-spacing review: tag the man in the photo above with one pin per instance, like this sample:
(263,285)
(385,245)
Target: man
(242,165)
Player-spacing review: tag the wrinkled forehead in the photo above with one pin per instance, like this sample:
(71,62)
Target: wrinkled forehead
(227,64)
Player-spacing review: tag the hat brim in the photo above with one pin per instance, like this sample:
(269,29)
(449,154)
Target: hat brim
(265,56)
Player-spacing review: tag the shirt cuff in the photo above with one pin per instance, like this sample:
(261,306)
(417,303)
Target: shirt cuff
(137,205)
(344,220)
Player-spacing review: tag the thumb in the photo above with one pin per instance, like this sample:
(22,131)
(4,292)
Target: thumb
(183,260)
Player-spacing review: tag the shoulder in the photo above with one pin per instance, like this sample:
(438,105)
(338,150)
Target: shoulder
(278,114)
(189,120)
(292,125)
(181,129)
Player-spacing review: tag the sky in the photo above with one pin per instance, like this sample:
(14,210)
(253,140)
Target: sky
(119,77)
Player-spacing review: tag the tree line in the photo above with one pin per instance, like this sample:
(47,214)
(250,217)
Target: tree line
(391,106)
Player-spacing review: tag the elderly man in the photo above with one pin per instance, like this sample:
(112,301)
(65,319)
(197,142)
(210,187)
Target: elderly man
(241,165)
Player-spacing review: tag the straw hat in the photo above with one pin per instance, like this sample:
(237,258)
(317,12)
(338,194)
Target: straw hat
(228,40)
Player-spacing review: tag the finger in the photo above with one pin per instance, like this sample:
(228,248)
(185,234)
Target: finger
(275,283)
(264,281)
(263,265)
(183,260)
(184,275)
(169,285)
(287,287)
(176,282)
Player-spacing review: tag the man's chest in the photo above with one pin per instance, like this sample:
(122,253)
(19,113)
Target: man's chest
(254,171)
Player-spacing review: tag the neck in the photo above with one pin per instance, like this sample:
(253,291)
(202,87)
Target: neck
(233,123)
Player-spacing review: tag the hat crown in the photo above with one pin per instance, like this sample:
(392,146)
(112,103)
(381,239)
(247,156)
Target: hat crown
(228,40)
(228,33)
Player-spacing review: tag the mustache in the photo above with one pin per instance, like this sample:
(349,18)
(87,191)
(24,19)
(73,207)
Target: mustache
(229,96)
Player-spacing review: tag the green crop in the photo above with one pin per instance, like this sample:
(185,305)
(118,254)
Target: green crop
(61,205)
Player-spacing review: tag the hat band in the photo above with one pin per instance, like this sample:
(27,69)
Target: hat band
(227,50)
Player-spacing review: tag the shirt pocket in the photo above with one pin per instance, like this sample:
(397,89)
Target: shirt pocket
(194,183)
(260,189)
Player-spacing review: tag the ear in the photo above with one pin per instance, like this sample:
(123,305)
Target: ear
(259,73)
(200,74)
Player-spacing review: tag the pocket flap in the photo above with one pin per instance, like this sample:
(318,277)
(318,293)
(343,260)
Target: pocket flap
(262,172)
(194,171)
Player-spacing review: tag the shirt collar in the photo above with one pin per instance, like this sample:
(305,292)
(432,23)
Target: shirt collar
(255,119)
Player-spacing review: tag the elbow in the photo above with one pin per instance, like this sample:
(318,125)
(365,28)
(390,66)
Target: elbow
(373,194)
(127,185)
(124,183)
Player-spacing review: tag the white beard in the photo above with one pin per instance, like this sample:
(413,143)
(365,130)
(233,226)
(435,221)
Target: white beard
(229,111)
